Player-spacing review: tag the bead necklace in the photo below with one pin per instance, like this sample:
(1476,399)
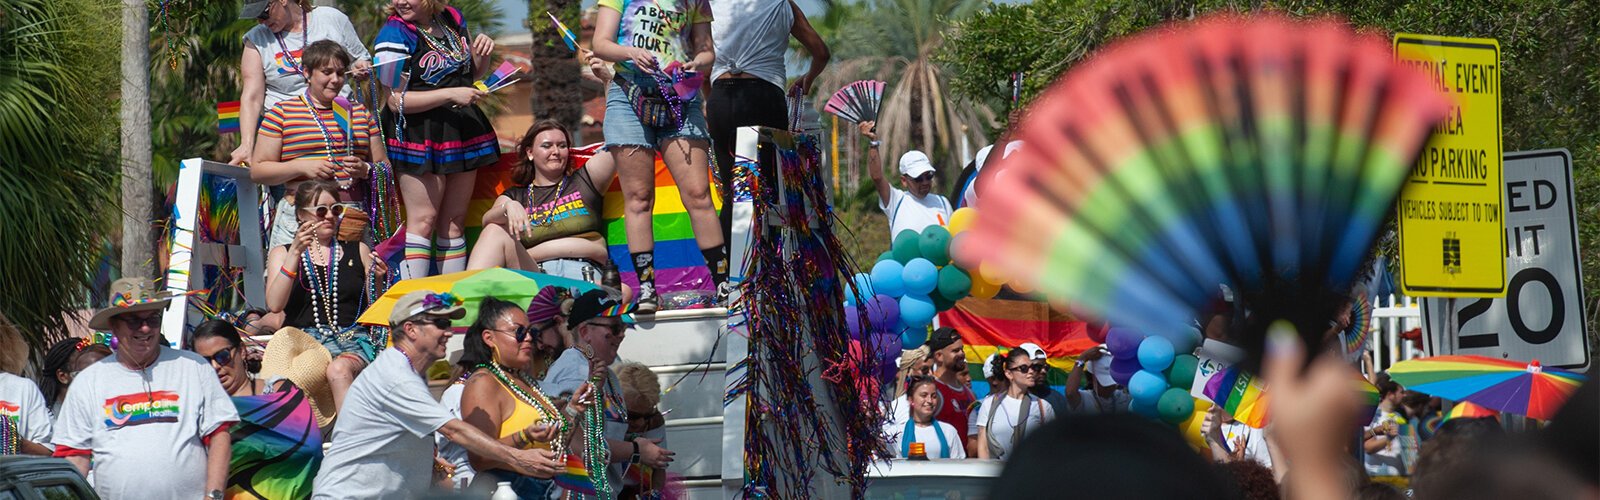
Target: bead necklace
(289,60)
(348,136)
(450,47)
(560,186)
(408,359)
(536,399)
(594,434)
(324,293)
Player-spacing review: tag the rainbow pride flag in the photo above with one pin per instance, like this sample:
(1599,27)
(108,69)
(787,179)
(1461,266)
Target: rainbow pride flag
(1238,392)
(228,117)
(277,447)
(679,265)
(988,326)
(575,478)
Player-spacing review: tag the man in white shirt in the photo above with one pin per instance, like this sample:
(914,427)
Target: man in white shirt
(151,421)
(916,207)
(1103,396)
(383,443)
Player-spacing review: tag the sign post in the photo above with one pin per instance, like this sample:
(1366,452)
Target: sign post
(1543,313)
(1450,209)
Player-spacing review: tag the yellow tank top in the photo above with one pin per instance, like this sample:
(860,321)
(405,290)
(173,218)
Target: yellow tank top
(522,416)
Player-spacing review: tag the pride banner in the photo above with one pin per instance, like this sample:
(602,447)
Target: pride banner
(679,265)
(988,326)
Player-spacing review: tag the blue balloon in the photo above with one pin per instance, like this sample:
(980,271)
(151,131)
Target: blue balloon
(913,338)
(863,286)
(1123,342)
(920,277)
(917,310)
(1147,387)
(1147,409)
(886,278)
(1155,353)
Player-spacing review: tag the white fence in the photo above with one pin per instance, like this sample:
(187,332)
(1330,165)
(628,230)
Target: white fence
(1391,317)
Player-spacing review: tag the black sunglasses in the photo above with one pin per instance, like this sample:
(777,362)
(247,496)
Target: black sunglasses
(521,333)
(1028,368)
(439,322)
(616,329)
(222,357)
(922,178)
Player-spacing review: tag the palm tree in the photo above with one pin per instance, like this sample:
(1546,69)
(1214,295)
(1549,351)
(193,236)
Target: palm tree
(138,244)
(896,41)
(558,93)
(57,152)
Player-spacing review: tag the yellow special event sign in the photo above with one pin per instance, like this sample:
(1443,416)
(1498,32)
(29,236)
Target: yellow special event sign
(1451,228)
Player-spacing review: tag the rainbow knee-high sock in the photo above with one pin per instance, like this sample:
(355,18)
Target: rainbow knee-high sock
(418,256)
(452,255)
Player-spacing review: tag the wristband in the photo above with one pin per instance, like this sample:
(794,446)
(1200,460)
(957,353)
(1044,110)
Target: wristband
(874,144)
(635,458)
(290,274)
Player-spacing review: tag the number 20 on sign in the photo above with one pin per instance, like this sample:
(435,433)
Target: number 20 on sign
(1450,222)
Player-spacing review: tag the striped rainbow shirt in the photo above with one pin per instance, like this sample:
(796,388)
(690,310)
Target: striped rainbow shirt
(291,120)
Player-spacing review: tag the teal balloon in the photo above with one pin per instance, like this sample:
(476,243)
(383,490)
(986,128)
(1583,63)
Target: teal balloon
(935,245)
(954,284)
(1181,375)
(1145,408)
(886,255)
(906,246)
(913,338)
(941,303)
(920,277)
(1175,405)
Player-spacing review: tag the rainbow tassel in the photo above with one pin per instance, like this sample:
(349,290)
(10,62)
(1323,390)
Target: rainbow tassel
(575,478)
(228,117)
(566,34)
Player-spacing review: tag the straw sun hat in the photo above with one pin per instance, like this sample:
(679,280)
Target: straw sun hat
(294,355)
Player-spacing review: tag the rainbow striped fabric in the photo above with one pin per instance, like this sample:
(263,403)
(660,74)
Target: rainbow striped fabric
(679,265)
(988,326)
(1238,392)
(575,478)
(291,121)
(228,117)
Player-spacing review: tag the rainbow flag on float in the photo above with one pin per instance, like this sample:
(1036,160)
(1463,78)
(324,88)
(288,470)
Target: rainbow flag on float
(1218,380)
(575,477)
(988,326)
(679,265)
(228,117)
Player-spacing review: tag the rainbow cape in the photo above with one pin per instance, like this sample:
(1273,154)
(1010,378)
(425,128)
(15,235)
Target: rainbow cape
(679,265)
(575,478)
(277,447)
(988,326)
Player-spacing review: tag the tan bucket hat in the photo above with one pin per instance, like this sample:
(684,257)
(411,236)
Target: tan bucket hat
(130,295)
(294,355)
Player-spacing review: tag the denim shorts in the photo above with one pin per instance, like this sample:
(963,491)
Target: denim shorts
(623,127)
(578,269)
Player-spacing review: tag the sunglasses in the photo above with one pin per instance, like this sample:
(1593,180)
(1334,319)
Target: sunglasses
(222,357)
(324,210)
(928,177)
(437,322)
(265,13)
(521,333)
(615,329)
(1028,368)
(153,320)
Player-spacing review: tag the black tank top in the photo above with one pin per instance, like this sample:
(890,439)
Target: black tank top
(350,290)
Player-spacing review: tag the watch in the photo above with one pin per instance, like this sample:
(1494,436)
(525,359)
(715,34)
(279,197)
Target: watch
(635,458)
(214,495)
(873,144)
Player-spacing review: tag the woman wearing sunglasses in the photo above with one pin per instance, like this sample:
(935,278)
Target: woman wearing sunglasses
(505,350)
(319,283)
(270,69)
(1004,418)
(219,342)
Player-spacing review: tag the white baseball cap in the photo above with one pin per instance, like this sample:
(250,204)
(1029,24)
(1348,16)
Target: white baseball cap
(988,365)
(1035,352)
(914,163)
(1102,370)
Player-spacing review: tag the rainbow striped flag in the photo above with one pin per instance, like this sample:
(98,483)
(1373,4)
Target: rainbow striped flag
(1238,392)
(988,326)
(575,478)
(679,265)
(228,117)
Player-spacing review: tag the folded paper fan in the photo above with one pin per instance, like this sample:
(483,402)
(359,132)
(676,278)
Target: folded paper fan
(1259,153)
(857,102)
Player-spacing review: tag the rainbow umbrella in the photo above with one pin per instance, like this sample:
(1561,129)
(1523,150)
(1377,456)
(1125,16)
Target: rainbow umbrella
(1470,410)
(1503,385)
(471,287)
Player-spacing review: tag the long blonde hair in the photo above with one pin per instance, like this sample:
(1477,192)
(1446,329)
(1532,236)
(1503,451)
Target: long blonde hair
(908,362)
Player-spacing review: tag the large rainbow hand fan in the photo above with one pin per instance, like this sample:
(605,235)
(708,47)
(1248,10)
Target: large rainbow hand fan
(857,102)
(1261,153)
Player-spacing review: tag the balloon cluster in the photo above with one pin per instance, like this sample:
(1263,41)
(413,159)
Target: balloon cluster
(1158,371)
(913,281)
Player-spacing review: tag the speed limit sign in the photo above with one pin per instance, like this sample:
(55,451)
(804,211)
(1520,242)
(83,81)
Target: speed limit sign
(1542,315)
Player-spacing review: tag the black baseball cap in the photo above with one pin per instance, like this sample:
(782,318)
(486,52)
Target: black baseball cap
(598,304)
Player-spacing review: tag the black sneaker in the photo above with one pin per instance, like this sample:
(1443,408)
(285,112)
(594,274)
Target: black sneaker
(647,302)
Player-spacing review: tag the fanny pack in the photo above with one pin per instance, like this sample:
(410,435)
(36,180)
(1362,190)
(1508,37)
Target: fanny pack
(652,108)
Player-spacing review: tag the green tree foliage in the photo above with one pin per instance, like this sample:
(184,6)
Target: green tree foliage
(1550,63)
(57,156)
